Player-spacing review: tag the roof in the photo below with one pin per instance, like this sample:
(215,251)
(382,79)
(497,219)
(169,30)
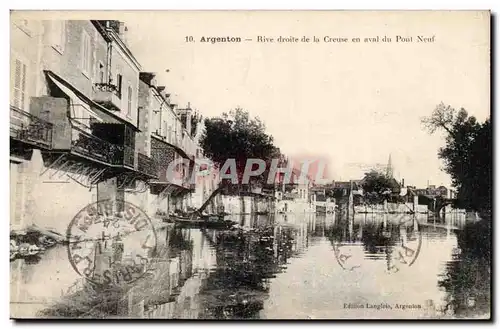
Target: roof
(345,184)
(394,183)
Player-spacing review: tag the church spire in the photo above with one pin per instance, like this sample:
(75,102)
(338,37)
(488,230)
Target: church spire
(389,170)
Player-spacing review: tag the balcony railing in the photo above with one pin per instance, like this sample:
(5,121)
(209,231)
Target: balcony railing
(108,95)
(107,87)
(93,147)
(146,165)
(128,157)
(30,129)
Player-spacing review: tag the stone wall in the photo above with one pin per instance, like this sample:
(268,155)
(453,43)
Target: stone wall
(246,204)
(50,201)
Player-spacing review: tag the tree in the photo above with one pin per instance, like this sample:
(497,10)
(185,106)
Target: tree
(236,136)
(376,186)
(377,182)
(466,155)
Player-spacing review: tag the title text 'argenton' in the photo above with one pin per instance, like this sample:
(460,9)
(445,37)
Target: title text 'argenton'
(214,40)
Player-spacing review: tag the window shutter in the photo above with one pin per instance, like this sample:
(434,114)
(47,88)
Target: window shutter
(23,86)
(85,52)
(19,84)
(129,104)
(89,54)
(119,84)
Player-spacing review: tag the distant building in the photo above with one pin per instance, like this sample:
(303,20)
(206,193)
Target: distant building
(344,188)
(297,186)
(432,191)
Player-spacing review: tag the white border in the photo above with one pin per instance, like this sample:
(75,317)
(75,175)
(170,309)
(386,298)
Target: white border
(200,4)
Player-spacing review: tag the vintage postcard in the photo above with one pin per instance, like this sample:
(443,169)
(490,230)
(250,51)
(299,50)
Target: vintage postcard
(250,165)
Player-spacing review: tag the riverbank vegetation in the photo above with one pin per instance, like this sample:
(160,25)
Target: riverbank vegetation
(467,155)
(377,187)
(236,135)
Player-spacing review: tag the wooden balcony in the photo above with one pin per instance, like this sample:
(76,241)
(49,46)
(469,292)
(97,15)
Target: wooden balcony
(107,95)
(92,147)
(176,143)
(29,129)
(127,157)
(85,144)
(147,165)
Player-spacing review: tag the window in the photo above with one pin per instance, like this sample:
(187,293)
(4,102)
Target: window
(119,84)
(129,101)
(58,35)
(86,53)
(18,82)
(100,72)
(156,121)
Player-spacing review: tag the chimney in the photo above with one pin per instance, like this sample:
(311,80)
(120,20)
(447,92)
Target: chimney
(118,27)
(122,32)
(403,182)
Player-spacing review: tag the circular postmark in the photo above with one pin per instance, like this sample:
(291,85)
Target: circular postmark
(111,242)
(397,242)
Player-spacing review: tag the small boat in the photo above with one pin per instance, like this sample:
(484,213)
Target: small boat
(198,219)
(206,221)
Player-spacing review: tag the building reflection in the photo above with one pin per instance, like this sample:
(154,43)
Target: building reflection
(198,273)
(214,274)
(247,261)
(370,237)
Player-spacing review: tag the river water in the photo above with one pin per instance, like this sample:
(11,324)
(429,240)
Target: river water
(280,267)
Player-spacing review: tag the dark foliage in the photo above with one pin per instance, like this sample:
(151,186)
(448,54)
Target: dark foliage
(235,135)
(377,187)
(467,277)
(466,155)
(377,182)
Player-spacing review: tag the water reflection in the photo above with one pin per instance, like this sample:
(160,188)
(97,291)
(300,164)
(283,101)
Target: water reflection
(294,266)
(467,278)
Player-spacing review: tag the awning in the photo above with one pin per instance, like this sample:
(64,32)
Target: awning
(168,187)
(175,147)
(76,101)
(79,99)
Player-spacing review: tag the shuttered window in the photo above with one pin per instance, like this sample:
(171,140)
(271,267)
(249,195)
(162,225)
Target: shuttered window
(156,119)
(19,85)
(101,72)
(129,101)
(86,53)
(119,84)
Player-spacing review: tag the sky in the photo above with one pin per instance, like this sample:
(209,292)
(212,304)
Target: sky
(353,104)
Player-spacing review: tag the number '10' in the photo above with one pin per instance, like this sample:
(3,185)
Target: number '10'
(189,38)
